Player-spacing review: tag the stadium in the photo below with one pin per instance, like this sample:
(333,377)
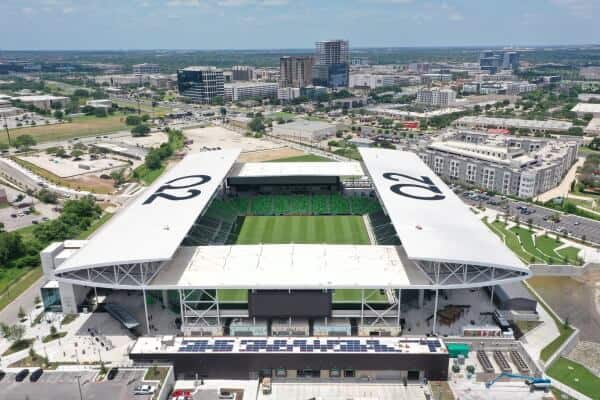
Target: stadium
(262,266)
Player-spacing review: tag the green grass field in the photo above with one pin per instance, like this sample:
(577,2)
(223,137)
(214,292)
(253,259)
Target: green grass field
(81,126)
(575,376)
(302,229)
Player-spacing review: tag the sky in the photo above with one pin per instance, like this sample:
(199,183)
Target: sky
(287,24)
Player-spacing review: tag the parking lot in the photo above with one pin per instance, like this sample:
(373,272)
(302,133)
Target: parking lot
(540,216)
(64,386)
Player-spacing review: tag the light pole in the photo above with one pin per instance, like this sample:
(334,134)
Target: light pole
(7,133)
(79,386)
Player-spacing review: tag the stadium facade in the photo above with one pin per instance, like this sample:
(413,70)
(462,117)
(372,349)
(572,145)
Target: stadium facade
(431,242)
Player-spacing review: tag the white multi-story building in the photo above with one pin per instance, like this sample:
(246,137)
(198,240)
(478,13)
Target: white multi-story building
(288,93)
(372,81)
(436,97)
(238,91)
(518,166)
(146,68)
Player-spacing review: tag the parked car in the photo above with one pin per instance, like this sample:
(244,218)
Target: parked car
(35,375)
(2,374)
(112,374)
(144,389)
(21,375)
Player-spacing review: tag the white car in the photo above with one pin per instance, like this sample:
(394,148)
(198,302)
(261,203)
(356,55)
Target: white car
(144,389)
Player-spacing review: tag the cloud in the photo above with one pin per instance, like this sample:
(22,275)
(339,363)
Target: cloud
(238,3)
(183,3)
(577,8)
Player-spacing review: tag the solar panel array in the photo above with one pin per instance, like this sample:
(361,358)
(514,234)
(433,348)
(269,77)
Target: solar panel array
(309,345)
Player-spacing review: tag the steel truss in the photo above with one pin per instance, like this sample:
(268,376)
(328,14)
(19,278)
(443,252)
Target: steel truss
(199,308)
(446,275)
(383,315)
(137,275)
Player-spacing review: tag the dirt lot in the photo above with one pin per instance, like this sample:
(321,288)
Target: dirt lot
(215,136)
(268,155)
(572,300)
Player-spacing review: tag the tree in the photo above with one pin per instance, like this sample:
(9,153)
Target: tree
(256,125)
(53,330)
(76,153)
(24,141)
(100,112)
(140,130)
(152,160)
(133,120)
(145,118)
(118,176)
(47,196)
(223,112)
(58,114)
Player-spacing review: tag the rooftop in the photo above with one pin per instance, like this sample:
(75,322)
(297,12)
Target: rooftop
(352,168)
(592,108)
(515,123)
(290,266)
(304,124)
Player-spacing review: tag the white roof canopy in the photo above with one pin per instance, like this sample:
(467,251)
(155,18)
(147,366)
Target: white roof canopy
(431,221)
(153,226)
(352,168)
(301,266)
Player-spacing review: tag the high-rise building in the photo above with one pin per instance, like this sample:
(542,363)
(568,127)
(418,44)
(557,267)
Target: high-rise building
(201,84)
(146,68)
(242,73)
(295,71)
(333,64)
(493,62)
(239,91)
(332,52)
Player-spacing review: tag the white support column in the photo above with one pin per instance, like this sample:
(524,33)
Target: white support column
(146,312)
(399,305)
(421,297)
(217,305)
(165,298)
(95,297)
(492,296)
(435,312)
(181,309)
(362,306)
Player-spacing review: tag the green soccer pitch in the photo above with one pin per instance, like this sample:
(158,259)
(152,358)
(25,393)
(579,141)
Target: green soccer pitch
(339,229)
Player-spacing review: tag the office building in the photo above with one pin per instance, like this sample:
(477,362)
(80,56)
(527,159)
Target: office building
(146,68)
(242,73)
(583,109)
(436,97)
(43,101)
(494,61)
(295,71)
(239,91)
(201,84)
(333,65)
(516,166)
(418,68)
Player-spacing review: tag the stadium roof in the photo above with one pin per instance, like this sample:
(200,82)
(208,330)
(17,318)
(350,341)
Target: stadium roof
(153,226)
(352,168)
(433,224)
(293,266)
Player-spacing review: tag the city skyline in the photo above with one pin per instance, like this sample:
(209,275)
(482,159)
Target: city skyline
(251,24)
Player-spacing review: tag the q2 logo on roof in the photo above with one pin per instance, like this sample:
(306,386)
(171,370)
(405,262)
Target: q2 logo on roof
(422,183)
(173,192)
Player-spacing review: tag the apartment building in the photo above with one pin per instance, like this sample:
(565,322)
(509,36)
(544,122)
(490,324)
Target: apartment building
(509,165)
(333,64)
(242,73)
(436,97)
(295,71)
